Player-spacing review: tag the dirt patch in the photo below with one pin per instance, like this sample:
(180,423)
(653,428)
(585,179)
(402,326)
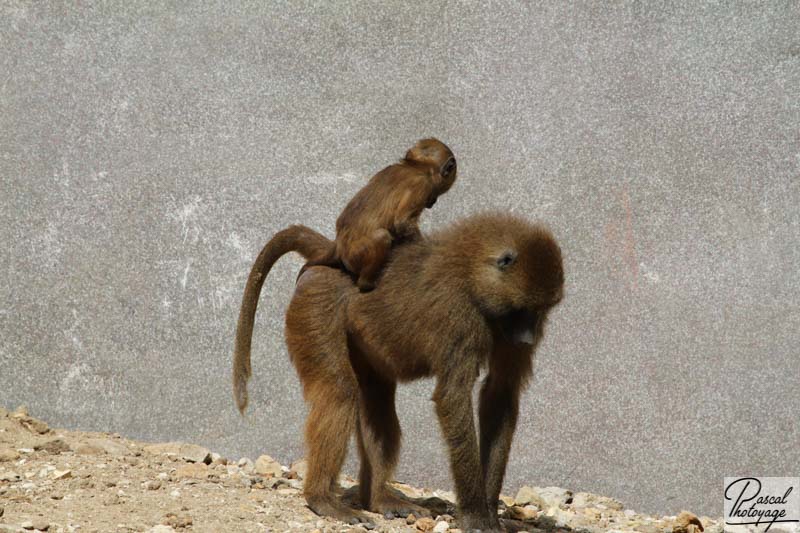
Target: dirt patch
(69,481)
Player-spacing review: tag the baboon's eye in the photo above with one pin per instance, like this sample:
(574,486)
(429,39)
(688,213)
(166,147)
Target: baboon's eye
(449,167)
(506,259)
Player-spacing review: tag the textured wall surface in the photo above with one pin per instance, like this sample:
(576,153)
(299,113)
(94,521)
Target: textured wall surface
(147,153)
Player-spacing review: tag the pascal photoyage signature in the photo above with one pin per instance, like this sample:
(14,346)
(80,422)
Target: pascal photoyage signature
(752,507)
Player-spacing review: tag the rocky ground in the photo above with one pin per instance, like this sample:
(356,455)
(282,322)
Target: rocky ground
(68,481)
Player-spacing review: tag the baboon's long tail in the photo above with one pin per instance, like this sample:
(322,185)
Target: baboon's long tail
(297,238)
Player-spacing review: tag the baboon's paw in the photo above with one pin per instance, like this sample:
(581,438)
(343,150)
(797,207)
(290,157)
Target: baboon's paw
(333,509)
(391,506)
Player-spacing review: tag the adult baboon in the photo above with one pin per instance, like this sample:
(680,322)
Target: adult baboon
(473,296)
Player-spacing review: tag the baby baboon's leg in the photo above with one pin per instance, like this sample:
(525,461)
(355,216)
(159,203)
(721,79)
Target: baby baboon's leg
(371,254)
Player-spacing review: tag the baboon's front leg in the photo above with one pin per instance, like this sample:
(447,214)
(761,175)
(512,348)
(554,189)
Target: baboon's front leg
(510,368)
(453,399)
(499,406)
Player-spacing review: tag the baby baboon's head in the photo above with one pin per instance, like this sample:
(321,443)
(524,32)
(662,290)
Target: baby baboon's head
(436,155)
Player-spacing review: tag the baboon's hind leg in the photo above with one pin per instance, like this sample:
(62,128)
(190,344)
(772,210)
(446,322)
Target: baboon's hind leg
(318,349)
(378,433)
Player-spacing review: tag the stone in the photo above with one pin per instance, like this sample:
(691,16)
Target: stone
(188,452)
(62,474)
(217,459)
(34,425)
(410,519)
(587,499)
(9,476)
(425,524)
(7,454)
(507,500)
(267,466)
(161,528)
(177,521)
(246,465)
(527,512)
(687,522)
(441,527)
(152,484)
(54,446)
(20,412)
(543,497)
(191,471)
(300,467)
(27,524)
(102,446)
(525,495)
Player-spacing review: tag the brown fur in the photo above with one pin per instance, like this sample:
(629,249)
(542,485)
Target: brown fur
(473,296)
(388,208)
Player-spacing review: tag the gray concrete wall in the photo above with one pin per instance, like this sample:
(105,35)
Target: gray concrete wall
(147,153)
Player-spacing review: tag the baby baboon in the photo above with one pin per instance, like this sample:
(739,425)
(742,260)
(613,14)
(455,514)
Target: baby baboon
(388,208)
(473,296)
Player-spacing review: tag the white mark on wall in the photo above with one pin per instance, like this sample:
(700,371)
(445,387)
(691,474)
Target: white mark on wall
(47,245)
(333,179)
(74,374)
(185,276)
(187,216)
(650,275)
(324,179)
(235,242)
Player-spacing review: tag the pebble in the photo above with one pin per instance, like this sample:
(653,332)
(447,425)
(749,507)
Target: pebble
(587,499)
(425,524)
(687,522)
(161,528)
(188,452)
(267,466)
(177,521)
(34,425)
(54,447)
(441,527)
(9,476)
(7,454)
(191,471)
(299,467)
(62,474)
(246,465)
(102,446)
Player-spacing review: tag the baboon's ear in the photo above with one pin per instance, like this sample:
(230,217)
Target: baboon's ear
(506,259)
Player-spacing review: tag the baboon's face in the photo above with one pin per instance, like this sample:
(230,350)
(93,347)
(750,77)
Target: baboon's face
(520,274)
